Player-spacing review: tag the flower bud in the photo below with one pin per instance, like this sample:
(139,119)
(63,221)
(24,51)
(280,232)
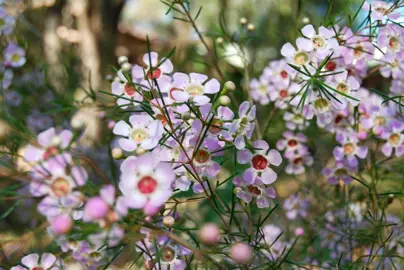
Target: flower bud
(390,199)
(185,116)
(111,124)
(209,234)
(250,27)
(305,20)
(109,77)
(122,60)
(243,20)
(219,40)
(241,253)
(95,209)
(117,79)
(168,221)
(362,135)
(229,85)
(117,153)
(76,123)
(61,224)
(299,231)
(224,101)
(126,67)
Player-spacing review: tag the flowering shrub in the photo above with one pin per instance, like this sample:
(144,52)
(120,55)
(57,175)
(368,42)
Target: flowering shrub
(192,176)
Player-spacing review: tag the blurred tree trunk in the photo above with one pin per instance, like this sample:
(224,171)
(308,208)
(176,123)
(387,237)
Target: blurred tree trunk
(52,46)
(110,14)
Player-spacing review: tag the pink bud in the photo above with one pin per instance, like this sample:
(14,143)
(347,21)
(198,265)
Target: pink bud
(61,224)
(362,135)
(241,253)
(209,234)
(299,231)
(111,124)
(95,208)
(101,114)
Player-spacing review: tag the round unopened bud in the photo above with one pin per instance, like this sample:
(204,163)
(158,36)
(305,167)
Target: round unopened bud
(126,67)
(61,224)
(299,231)
(229,85)
(209,234)
(117,79)
(76,123)
(243,20)
(390,199)
(250,27)
(241,253)
(219,40)
(111,124)
(185,116)
(117,153)
(140,151)
(305,20)
(122,60)
(95,209)
(168,221)
(362,135)
(224,101)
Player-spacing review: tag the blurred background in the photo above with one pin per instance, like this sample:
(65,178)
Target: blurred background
(72,46)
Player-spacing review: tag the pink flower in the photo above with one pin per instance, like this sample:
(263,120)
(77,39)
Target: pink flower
(261,161)
(155,68)
(14,56)
(394,139)
(249,188)
(47,262)
(143,131)
(50,144)
(51,179)
(145,181)
(380,10)
(193,88)
(324,43)
(128,92)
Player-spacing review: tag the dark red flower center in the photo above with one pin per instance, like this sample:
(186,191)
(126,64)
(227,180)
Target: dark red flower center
(163,119)
(202,156)
(331,65)
(147,185)
(284,74)
(298,161)
(129,89)
(292,142)
(60,187)
(38,268)
(50,152)
(215,127)
(338,119)
(168,254)
(254,190)
(259,162)
(283,93)
(155,74)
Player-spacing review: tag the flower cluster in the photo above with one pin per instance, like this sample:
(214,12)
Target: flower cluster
(180,152)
